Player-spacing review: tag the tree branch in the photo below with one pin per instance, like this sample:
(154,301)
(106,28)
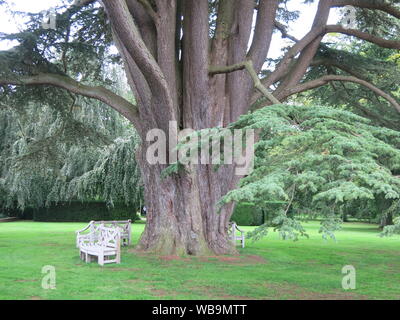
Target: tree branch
(115,101)
(82,3)
(283,65)
(195,60)
(308,53)
(282,29)
(239,84)
(166,46)
(149,9)
(381,5)
(138,83)
(326,79)
(248,65)
(325,61)
(145,24)
(263,32)
(391,44)
(364,110)
(130,37)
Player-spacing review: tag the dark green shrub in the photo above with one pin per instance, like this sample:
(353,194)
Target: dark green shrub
(84,211)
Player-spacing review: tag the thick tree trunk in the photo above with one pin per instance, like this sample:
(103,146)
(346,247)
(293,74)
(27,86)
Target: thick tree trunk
(386,220)
(168,70)
(182,215)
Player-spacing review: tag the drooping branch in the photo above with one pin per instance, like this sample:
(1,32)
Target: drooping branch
(283,30)
(365,111)
(292,75)
(391,44)
(115,101)
(284,64)
(381,5)
(329,62)
(248,65)
(328,78)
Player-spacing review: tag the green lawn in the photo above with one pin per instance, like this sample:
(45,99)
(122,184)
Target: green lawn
(269,269)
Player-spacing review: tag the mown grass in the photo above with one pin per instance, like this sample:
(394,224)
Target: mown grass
(268,269)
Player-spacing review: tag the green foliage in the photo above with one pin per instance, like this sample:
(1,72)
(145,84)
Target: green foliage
(365,61)
(113,177)
(85,211)
(78,47)
(390,230)
(317,159)
(258,233)
(288,228)
(246,214)
(86,154)
(350,56)
(174,168)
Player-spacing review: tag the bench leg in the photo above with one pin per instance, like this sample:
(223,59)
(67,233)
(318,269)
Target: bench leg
(101,260)
(118,257)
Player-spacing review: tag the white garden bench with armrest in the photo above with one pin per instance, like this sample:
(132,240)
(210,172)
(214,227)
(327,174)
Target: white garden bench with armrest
(233,234)
(124,226)
(102,242)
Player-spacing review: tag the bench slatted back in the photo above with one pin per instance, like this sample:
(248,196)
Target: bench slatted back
(109,237)
(124,225)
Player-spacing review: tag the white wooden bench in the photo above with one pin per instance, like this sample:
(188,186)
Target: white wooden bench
(102,242)
(233,234)
(124,226)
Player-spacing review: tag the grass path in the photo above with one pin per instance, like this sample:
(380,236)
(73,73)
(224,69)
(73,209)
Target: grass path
(268,269)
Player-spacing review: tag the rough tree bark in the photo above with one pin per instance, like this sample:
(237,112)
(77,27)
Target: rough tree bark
(170,76)
(177,73)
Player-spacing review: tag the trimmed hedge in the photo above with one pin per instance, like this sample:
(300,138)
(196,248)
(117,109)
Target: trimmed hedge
(246,214)
(83,212)
(26,215)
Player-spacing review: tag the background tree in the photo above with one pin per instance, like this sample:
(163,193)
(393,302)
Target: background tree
(319,162)
(194,62)
(79,150)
